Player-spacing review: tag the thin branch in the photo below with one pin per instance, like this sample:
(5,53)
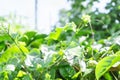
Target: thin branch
(13,40)
(114,76)
(92,36)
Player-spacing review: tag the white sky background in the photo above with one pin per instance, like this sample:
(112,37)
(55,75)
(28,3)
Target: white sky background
(47,11)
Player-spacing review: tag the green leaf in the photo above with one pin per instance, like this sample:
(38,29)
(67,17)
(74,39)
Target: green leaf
(12,52)
(50,59)
(24,38)
(27,77)
(6,76)
(30,34)
(75,51)
(55,35)
(34,52)
(118,53)
(52,73)
(40,36)
(105,64)
(76,75)
(4,37)
(21,73)
(16,79)
(67,72)
(36,43)
(70,26)
(38,40)
(2,45)
(83,32)
(47,76)
(108,76)
(28,37)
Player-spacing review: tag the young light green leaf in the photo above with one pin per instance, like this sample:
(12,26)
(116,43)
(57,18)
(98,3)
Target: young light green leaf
(47,76)
(70,26)
(55,35)
(76,75)
(105,64)
(12,52)
(21,73)
(118,53)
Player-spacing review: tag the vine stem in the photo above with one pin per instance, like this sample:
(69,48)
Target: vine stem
(58,60)
(92,31)
(7,32)
(93,39)
(114,76)
(17,44)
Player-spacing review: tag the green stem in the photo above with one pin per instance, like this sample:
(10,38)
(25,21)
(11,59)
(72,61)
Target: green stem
(8,33)
(114,76)
(93,39)
(14,41)
(92,31)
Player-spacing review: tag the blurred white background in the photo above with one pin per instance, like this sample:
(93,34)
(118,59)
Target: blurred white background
(47,11)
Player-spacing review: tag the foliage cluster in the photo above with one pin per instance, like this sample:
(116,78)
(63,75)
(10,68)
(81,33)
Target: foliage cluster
(105,21)
(67,53)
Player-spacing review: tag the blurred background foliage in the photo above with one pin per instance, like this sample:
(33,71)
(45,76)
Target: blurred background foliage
(69,52)
(105,23)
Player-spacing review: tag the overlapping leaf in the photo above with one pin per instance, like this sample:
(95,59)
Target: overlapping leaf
(105,64)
